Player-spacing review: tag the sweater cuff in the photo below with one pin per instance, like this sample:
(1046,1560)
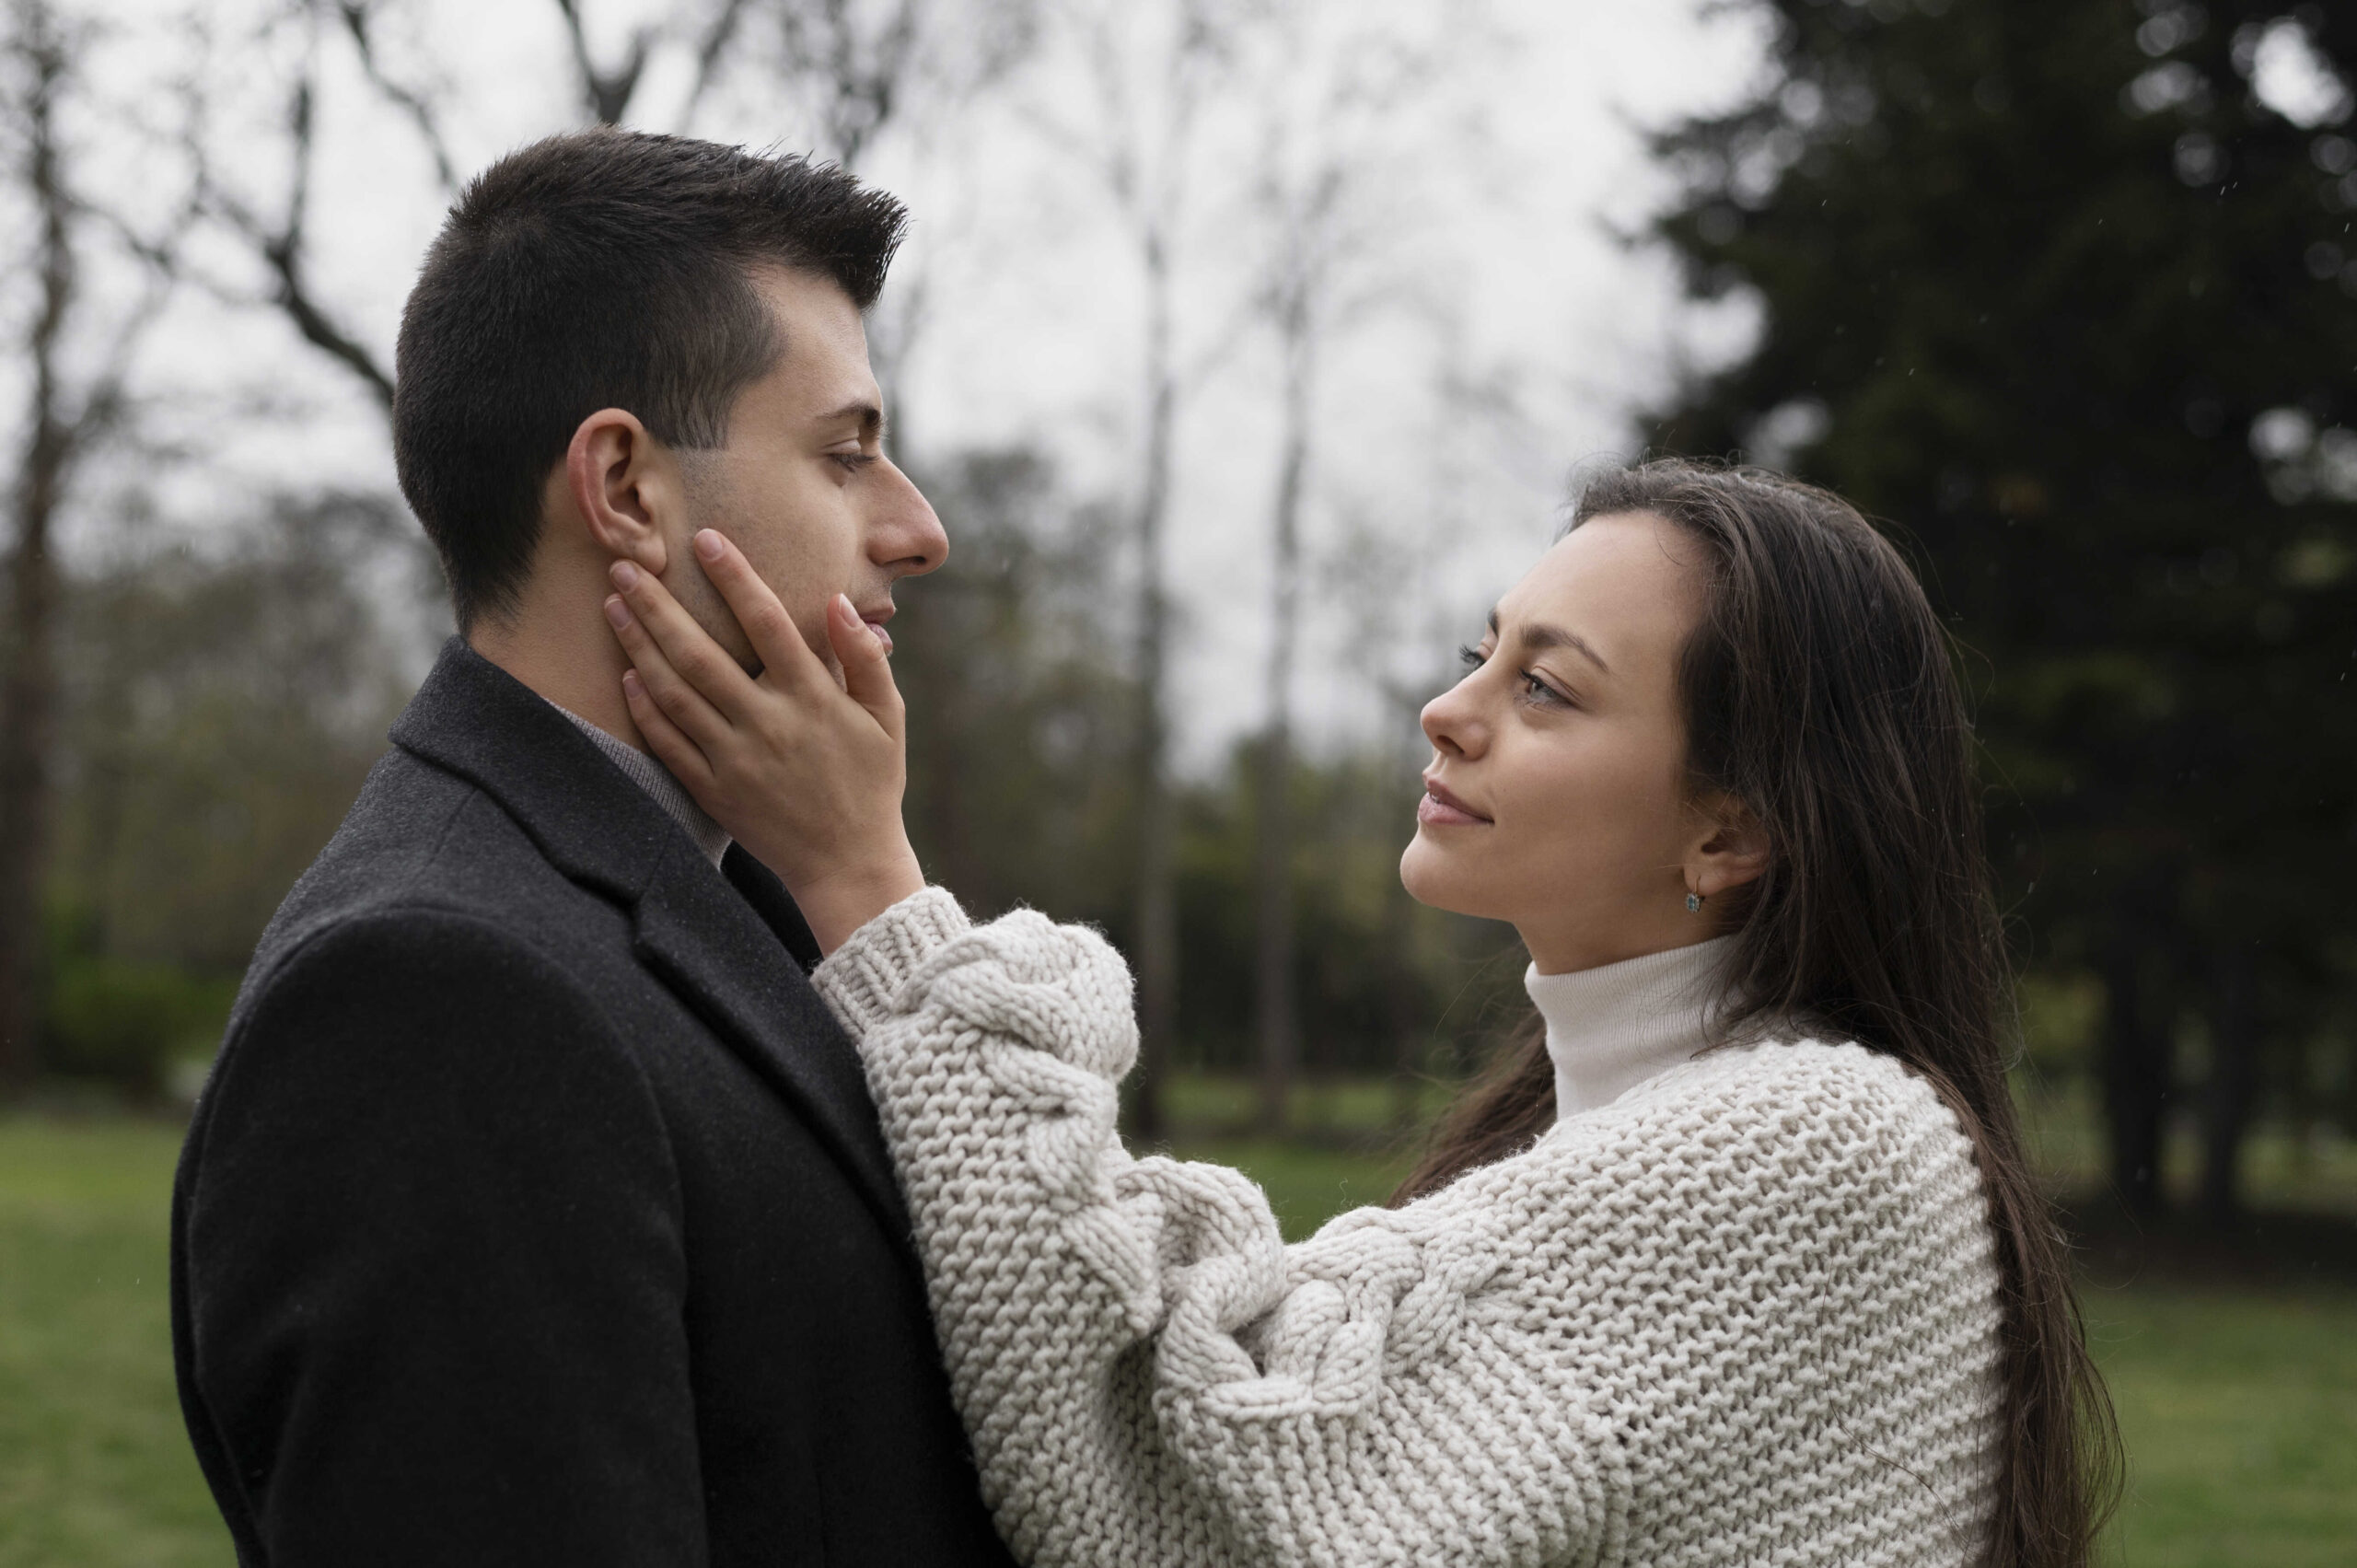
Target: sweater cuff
(860,978)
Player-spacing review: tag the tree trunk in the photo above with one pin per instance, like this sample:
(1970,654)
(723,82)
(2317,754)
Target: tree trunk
(28,728)
(2135,1069)
(28,701)
(1274,1020)
(1277,1015)
(2233,1083)
(1410,1032)
(1157,912)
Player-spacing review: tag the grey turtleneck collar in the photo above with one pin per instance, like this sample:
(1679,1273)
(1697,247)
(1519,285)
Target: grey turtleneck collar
(1609,1029)
(657,780)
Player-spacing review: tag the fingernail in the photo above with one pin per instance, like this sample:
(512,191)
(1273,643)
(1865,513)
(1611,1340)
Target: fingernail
(629,683)
(625,575)
(618,612)
(708,543)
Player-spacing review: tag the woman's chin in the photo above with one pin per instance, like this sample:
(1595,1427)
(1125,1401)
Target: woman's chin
(1431,880)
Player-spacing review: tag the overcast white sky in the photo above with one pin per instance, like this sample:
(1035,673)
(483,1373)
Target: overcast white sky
(1499,268)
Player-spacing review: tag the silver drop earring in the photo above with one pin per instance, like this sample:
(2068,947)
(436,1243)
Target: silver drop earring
(1693,903)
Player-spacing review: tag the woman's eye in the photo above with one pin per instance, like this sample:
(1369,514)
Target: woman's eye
(1537,690)
(1471,658)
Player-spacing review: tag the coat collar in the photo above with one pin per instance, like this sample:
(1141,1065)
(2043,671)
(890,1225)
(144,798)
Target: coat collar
(735,950)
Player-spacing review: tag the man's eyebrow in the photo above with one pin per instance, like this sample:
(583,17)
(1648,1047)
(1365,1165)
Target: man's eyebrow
(1544,636)
(870,417)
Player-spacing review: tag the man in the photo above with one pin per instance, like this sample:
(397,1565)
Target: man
(535,1210)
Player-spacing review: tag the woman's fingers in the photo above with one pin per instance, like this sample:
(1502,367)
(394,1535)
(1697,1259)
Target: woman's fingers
(670,745)
(678,698)
(867,668)
(685,647)
(777,641)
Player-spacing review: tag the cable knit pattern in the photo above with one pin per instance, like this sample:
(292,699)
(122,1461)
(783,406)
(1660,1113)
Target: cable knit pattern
(1745,1313)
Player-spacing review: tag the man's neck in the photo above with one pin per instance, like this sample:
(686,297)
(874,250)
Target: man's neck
(582,674)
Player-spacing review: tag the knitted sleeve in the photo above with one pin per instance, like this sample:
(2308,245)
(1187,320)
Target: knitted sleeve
(1148,1377)
(1152,1376)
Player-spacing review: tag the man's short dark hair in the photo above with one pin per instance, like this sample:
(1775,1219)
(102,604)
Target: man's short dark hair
(603,269)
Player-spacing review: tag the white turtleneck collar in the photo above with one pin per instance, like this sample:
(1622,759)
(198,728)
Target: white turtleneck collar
(1609,1029)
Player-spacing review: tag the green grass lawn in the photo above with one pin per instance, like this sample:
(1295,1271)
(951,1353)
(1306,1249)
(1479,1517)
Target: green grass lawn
(2240,1410)
(95,1466)
(2240,1420)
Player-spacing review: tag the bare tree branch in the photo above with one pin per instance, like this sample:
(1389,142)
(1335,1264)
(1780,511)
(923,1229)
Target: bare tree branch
(103,401)
(860,66)
(358,17)
(281,247)
(865,82)
(1144,170)
(606,93)
(61,425)
(318,330)
(717,37)
(28,698)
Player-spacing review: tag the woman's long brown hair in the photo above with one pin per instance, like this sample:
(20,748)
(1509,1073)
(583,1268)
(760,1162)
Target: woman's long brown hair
(1820,690)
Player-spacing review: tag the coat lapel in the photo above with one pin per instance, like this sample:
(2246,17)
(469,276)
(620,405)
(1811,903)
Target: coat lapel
(705,940)
(733,949)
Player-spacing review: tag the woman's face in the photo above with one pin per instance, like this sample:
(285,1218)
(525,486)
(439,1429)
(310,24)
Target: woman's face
(1556,797)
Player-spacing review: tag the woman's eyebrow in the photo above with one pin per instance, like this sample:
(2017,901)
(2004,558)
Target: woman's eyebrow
(1543,637)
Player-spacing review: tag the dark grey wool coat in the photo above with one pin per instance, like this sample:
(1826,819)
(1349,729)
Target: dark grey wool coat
(536,1210)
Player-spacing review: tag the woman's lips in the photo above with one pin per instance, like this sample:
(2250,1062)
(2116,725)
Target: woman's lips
(1440,809)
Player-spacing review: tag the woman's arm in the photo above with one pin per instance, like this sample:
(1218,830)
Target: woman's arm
(1745,1315)
(1040,1243)
(1149,1374)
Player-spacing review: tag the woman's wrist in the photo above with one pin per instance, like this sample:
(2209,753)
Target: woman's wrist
(838,904)
(862,979)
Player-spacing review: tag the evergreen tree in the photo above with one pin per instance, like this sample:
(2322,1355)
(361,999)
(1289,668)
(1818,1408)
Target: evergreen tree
(2063,293)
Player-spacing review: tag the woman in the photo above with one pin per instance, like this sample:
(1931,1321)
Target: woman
(1739,1261)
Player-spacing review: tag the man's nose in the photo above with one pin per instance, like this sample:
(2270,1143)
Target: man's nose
(904,536)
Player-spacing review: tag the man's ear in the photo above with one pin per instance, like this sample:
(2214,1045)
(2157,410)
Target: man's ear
(625,487)
(1729,850)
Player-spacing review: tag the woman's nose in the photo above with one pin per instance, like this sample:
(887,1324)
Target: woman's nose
(1453,723)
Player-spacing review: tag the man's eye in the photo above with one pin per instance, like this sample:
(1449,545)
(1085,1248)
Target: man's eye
(852,462)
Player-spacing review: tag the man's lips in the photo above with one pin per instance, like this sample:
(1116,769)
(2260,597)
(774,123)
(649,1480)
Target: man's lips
(874,620)
(1440,809)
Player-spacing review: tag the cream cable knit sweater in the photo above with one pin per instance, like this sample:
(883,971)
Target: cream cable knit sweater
(1745,1313)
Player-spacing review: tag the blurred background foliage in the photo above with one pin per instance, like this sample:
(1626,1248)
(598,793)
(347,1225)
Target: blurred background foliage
(219,710)
(1021,727)
(2057,293)
(2066,296)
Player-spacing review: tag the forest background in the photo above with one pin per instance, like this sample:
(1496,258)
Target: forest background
(1248,348)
